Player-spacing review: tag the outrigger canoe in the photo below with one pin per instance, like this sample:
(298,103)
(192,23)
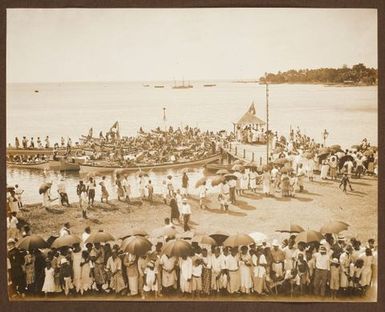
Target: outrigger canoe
(94,167)
(35,166)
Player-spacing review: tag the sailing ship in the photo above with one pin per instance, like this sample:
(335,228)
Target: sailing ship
(182,86)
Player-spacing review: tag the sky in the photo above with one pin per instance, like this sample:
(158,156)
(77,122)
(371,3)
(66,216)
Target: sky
(59,45)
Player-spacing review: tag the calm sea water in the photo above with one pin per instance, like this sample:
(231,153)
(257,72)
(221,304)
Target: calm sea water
(69,109)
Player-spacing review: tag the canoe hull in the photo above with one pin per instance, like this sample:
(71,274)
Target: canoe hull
(58,165)
(39,166)
(92,168)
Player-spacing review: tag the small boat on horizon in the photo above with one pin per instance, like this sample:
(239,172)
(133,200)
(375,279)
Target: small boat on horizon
(158,87)
(146,85)
(182,86)
(210,85)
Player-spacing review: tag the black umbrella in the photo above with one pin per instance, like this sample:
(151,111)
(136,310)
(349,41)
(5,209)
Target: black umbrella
(344,159)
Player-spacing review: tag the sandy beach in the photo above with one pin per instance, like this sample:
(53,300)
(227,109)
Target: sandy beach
(322,201)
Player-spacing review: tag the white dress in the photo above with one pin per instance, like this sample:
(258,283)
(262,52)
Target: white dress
(266,183)
(85,278)
(49,281)
(76,259)
(253,180)
(244,181)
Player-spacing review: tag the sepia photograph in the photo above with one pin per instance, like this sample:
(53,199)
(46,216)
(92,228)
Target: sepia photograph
(195,154)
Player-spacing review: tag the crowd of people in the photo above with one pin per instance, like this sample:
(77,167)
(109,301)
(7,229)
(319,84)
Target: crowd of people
(333,266)
(152,147)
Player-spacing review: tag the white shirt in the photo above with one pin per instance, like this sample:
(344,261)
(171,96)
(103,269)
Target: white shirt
(197,270)
(232,183)
(322,262)
(12,222)
(63,231)
(232,263)
(186,208)
(217,263)
(202,191)
(85,235)
(225,189)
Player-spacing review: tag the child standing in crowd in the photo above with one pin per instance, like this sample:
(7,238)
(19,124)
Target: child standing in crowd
(334,277)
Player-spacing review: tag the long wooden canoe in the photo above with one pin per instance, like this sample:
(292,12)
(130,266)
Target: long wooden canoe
(63,165)
(32,166)
(94,167)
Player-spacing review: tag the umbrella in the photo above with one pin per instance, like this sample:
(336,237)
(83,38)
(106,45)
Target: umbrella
(164,231)
(67,240)
(200,182)
(187,170)
(99,237)
(135,232)
(222,171)
(44,187)
(294,228)
(238,240)
(230,176)
(219,236)
(334,227)
(177,248)
(237,168)
(217,180)
(368,153)
(252,165)
(238,162)
(31,242)
(357,147)
(335,147)
(344,159)
(136,245)
(258,236)
(186,235)
(280,161)
(308,236)
(204,239)
(51,239)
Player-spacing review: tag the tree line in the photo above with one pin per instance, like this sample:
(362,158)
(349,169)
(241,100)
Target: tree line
(358,74)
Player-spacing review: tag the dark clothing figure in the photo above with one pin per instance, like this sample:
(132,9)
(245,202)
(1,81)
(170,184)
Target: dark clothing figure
(174,210)
(39,271)
(17,275)
(344,182)
(64,199)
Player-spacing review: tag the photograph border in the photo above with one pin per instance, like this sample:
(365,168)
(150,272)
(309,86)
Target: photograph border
(186,306)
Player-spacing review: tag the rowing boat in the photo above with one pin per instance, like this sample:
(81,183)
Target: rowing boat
(94,167)
(63,165)
(35,166)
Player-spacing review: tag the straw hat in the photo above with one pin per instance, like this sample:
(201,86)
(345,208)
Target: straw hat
(335,260)
(275,243)
(63,260)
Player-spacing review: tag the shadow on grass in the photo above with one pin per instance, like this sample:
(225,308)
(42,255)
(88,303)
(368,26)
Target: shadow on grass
(306,192)
(243,205)
(303,199)
(229,212)
(252,196)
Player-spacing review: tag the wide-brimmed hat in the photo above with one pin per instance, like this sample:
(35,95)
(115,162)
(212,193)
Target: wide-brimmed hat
(11,241)
(322,248)
(63,260)
(335,260)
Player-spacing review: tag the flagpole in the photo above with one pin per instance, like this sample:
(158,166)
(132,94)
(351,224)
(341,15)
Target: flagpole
(164,118)
(267,119)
